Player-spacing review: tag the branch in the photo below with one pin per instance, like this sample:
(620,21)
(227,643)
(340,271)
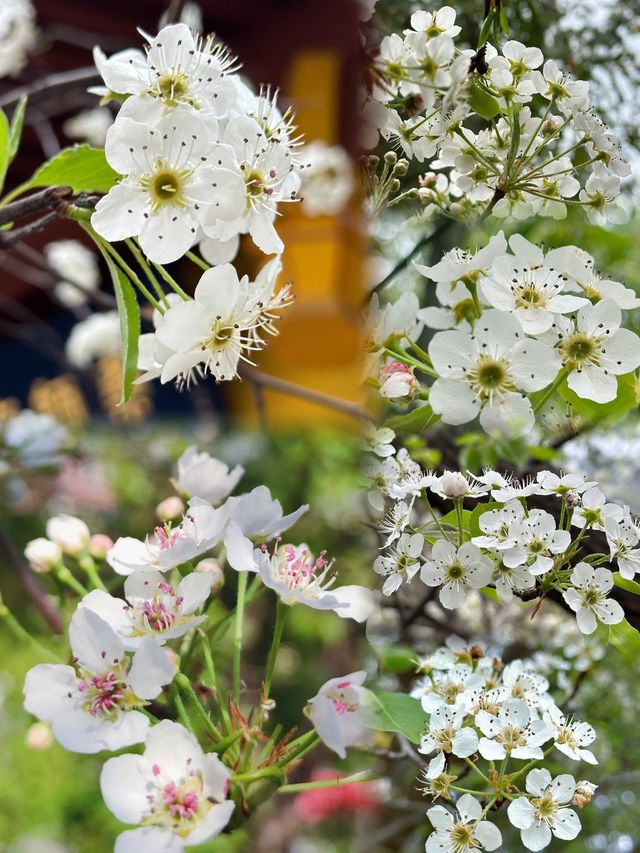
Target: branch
(257,377)
(46,199)
(52,81)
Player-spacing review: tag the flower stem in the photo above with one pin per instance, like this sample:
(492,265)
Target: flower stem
(281,615)
(237,638)
(173,284)
(198,261)
(303,745)
(88,566)
(65,577)
(140,258)
(184,686)
(328,783)
(23,635)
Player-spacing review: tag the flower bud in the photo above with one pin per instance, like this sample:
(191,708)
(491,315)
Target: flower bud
(429,179)
(571,498)
(401,168)
(39,736)
(425,195)
(99,544)
(456,209)
(397,381)
(42,554)
(583,793)
(551,125)
(71,534)
(391,158)
(211,565)
(170,508)
(394,185)
(452,484)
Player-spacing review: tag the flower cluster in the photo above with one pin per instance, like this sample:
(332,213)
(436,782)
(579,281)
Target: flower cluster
(509,324)
(504,543)
(481,710)
(125,650)
(17,35)
(427,95)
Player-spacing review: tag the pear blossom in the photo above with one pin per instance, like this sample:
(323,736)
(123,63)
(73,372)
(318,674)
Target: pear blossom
(436,778)
(93,338)
(497,526)
(451,688)
(175,791)
(71,534)
(297,578)
(506,579)
(480,372)
(553,84)
(588,598)
(513,731)
(622,537)
(551,483)
(42,554)
(458,266)
(170,185)
(201,528)
(582,277)
(538,541)
(454,485)
(327,179)
(401,564)
(571,736)
(546,814)
(153,608)
(594,350)
(467,833)
(519,681)
(203,476)
(397,381)
(340,712)
(446,732)
(457,571)
(178,71)
(438,23)
(594,511)
(94,705)
(89,126)
(380,441)
(18,34)
(395,520)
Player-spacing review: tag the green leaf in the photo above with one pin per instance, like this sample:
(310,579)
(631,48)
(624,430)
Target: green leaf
(603,413)
(626,639)
(451,518)
(398,659)
(624,583)
(5,135)
(486,28)
(414,421)
(397,712)
(81,167)
(483,103)
(129,316)
(478,510)
(17,120)
(491,593)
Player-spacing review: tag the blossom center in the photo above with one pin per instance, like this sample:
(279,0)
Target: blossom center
(104,694)
(580,351)
(165,186)
(545,807)
(462,839)
(490,376)
(511,737)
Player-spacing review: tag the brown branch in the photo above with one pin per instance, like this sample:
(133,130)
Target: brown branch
(47,199)
(9,238)
(32,586)
(52,81)
(283,386)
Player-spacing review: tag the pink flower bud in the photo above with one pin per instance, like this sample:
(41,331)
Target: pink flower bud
(397,381)
(39,736)
(99,544)
(170,508)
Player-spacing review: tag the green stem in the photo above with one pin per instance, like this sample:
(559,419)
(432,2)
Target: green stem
(173,284)
(198,261)
(281,615)
(88,566)
(24,636)
(184,686)
(182,712)
(272,771)
(237,637)
(305,744)
(214,679)
(63,574)
(555,384)
(477,769)
(140,258)
(328,783)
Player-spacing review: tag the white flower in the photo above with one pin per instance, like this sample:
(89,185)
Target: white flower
(512,732)
(269,176)
(297,578)
(93,338)
(178,71)
(452,688)
(71,534)
(594,511)
(17,35)
(457,266)
(441,22)
(533,294)
(327,178)
(454,485)
(397,382)
(96,708)
(578,265)
(153,608)
(594,350)
(203,476)
(395,520)
(170,185)
(201,528)
(520,682)
(392,322)
(622,537)
(42,554)
(570,95)
(546,813)
(380,441)
(588,598)
(468,833)
(74,263)
(537,539)
(567,484)
(221,325)
(401,564)
(507,578)
(90,126)
(497,526)
(600,190)
(481,372)
(176,791)
(340,710)
(457,571)
(571,736)
(446,732)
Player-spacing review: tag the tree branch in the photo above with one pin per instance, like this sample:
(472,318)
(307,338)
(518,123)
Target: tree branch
(52,81)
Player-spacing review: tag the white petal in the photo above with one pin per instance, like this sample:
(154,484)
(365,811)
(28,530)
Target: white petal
(123,788)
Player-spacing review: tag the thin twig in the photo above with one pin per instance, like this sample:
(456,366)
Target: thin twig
(10,238)
(45,199)
(51,81)
(286,387)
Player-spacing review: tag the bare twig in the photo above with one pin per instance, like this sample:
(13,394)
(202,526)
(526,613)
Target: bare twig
(285,387)
(45,199)
(51,81)
(9,238)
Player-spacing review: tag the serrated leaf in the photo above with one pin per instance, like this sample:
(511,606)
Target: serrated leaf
(5,143)
(17,121)
(397,712)
(129,317)
(81,167)
(482,102)
(414,421)
(625,583)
